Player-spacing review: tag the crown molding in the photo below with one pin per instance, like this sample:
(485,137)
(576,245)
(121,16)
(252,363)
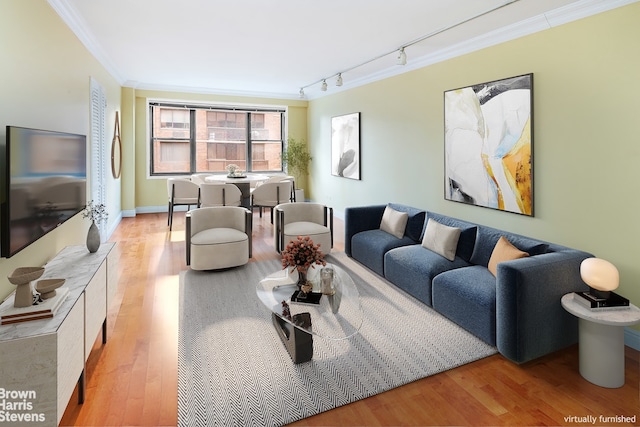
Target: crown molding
(79,27)
(569,13)
(554,18)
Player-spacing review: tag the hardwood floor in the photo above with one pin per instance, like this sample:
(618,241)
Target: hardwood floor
(132,380)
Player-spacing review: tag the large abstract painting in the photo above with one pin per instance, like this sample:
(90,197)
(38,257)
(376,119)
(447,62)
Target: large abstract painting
(488,144)
(345,146)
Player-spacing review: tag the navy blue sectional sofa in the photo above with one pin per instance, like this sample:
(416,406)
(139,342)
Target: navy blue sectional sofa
(518,310)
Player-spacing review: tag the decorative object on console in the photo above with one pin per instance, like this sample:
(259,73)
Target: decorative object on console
(22,278)
(602,278)
(488,144)
(345,146)
(47,287)
(302,254)
(96,213)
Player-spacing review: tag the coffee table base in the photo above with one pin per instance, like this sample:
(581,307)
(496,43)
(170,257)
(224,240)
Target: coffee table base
(299,344)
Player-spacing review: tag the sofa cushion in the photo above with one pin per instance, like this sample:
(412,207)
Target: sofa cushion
(467,239)
(504,251)
(412,268)
(487,238)
(394,222)
(467,296)
(415,220)
(441,239)
(369,247)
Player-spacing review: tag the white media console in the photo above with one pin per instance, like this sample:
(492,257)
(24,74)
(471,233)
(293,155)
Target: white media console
(41,361)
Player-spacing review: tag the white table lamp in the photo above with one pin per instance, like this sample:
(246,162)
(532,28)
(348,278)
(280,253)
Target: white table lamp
(601,276)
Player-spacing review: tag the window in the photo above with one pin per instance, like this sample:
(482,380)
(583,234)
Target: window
(198,139)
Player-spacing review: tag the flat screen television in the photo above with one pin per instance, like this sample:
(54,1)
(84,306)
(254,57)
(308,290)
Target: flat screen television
(43,184)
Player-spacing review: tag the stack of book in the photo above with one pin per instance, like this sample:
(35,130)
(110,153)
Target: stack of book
(593,302)
(43,310)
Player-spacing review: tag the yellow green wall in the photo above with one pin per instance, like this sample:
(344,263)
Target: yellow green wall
(45,84)
(586,145)
(150,194)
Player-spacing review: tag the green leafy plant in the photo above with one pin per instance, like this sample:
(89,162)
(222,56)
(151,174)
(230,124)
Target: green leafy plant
(296,156)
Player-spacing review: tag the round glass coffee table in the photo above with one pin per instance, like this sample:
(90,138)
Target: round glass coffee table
(335,317)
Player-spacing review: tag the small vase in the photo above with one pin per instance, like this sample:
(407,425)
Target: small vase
(302,278)
(93,238)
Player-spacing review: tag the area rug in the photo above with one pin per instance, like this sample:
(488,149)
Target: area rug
(233,370)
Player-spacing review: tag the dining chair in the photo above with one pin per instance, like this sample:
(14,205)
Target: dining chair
(270,195)
(219,195)
(181,192)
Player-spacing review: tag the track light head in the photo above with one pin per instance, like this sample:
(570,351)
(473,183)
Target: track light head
(301,92)
(324,86)
(402,57)
(339,80)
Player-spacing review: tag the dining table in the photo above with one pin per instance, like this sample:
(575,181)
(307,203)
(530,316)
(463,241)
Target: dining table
(242,181)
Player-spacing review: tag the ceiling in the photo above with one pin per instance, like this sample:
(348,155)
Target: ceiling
(275,47)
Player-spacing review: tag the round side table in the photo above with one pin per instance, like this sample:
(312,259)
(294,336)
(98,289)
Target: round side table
(601,341)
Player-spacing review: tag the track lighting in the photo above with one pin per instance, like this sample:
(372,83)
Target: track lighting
(402,57)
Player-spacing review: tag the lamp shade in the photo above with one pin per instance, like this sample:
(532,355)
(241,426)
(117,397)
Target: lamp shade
(599,274)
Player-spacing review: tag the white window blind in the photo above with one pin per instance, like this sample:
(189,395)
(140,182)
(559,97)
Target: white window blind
(98,148)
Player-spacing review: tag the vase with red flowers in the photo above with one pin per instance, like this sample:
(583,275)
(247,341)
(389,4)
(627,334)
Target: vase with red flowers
(300,255)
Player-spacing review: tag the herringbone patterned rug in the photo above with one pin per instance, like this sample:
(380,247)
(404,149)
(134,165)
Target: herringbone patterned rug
(234,371)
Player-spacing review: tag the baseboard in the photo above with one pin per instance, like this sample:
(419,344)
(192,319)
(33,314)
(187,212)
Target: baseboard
(632,338)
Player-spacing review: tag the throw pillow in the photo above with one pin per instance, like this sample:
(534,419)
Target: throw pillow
(504,251)
(394,222)
(441,239)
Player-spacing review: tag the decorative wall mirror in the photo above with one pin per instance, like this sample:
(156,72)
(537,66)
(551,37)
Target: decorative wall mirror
(116,150)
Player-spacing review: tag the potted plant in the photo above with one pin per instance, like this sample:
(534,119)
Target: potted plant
(296,157)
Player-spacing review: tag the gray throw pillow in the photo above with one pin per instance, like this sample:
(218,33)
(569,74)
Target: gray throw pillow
(394,222)
(441,239)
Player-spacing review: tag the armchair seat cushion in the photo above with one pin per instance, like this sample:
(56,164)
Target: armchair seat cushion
(320,234)
(215,236)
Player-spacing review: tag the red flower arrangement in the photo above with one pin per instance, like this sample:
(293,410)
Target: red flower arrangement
(301,254)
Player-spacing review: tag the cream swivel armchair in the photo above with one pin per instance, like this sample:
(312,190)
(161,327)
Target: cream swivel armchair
(181,192)
(218,237)
(304,219)
(270,195)
(219,195)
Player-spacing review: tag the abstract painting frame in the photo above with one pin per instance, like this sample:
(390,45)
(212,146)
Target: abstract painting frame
(345,146)
(488,144)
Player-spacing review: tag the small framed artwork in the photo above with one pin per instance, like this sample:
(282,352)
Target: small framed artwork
(345,146)
(488,144)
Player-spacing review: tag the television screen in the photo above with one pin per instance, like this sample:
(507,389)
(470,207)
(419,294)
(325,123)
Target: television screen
(44,184)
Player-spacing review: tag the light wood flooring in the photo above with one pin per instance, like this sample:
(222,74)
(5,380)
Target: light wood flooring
(132,379)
